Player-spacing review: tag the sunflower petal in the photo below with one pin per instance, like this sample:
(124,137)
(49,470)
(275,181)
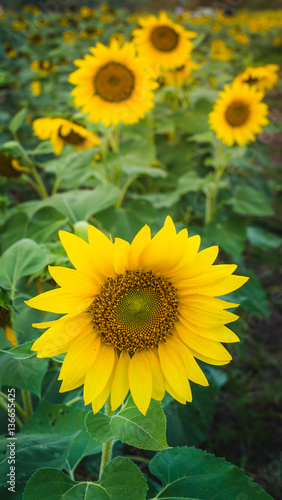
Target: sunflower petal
(140,381)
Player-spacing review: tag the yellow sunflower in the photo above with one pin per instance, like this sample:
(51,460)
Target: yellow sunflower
(112,85)
(260,77)
(91,33)
(5,323)
(238,114)
(220,51)
(163,43)
(10,167)
(137,315)
(60,131)
(43,68)
(181,75)
(36,87)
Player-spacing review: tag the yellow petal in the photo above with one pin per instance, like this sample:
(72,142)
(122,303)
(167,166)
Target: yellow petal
(78,252)
(80,357)
(59,301)
(10,335)
(209,361)
(101,399)
(201,263)
(98,376)
(121,255)
(174,371)
(142,238)
(206,318)
(120,385)
(158,389)
(140,381)
(193,370)
(74,281)
(102,250)
(200,344)
(226,286)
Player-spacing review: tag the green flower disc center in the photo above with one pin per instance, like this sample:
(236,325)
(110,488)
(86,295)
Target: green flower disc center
(164,38)
(135,311)
(237,113)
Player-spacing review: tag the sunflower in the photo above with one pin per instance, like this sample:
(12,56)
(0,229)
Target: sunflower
(181,75)
(91,33)
(43,68)
(137,315)
(238,114)
(112,85)
(10,167)
(60,131)
(35,39)
(220,51)
(5,323)
(164,44)
(260,77)
(36,87)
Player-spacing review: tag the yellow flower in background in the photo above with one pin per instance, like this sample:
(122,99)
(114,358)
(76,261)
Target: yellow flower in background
(36,87)
(118,37)
(137,315)
(86,12)
(91,33)
(43,68)
(10,167)
(277,40)
(35,39)
(60,132)
(5,323)
(164,44)
(69,37)
(241,38)
(238,114)
(19,25)
(112,85)
(9,50)
(260,77)
(220,51)
(181,75)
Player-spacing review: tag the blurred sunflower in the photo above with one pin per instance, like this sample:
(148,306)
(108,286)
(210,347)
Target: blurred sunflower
(9,50)
(91,33)
(220,51)
(69,36)
(119,37)
(35,39)
(136,316)
(161,42)
(36,87)
(241,37)
(260,77)
(238,114)
(61,131)
(181,75)
(112,85)
(10,167)
(86,12)
(43,68)
(5,323)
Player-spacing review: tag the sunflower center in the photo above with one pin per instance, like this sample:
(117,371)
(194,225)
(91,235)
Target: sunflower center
(72,138)
(114,82)
(135,311)
(251,81)
(164,38)
(237,113)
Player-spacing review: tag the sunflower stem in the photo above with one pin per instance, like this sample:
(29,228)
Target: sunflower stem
(27,403)
(39,186)
(4,406)
(211,196)
(17,407)
(108,446)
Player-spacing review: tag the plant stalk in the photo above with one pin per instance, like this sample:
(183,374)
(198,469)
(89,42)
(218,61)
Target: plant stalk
(108,446)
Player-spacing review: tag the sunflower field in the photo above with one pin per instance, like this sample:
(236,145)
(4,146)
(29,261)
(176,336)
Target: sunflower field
(140,174)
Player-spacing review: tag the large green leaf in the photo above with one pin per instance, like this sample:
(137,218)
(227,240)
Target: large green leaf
(24,374)
(22,351)
(17,120)
(190,474)
(120,480)
(44,224)
(262,238)
(60,418)
(249,201)
(22,259)
(32,451)
(131,427)
(13,230)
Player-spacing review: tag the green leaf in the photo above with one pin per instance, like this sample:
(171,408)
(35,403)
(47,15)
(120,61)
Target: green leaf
(22,373)
(43,148)
(230,236)
(13,230)
(22,259)
(121,479)
(262,238)
(60,418)
(190,474)
(99,426)
(17,120)
(22,351)
(44,224)
(32,451)
(249,201)
(192,121)
(131,427)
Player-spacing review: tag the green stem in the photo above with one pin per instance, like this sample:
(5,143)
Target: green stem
(27,403)
(17,406)
(108,446)
(74,400)
(115,139)
(212,194)
(4,406)
(123,192)
(39,183)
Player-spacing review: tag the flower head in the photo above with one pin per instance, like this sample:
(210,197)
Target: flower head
(238,114)
(60,132)
(163,43)
(260,77)
(112,85)
(137,315)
